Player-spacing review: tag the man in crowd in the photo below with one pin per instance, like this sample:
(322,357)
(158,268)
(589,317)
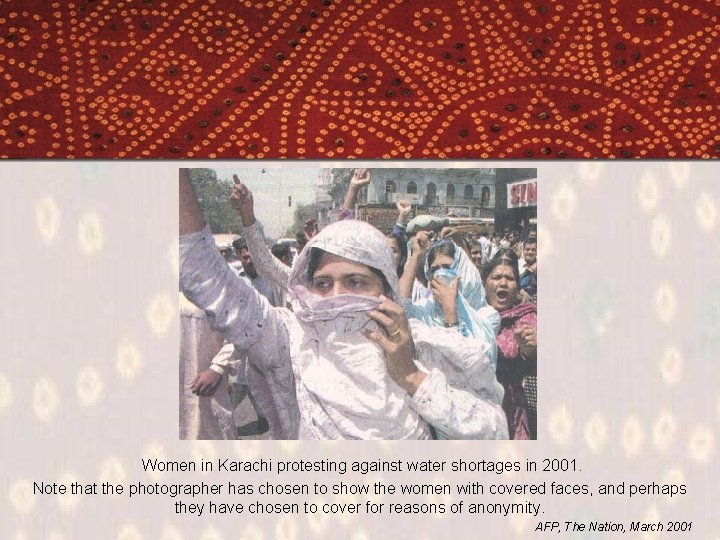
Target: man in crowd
(284,253)
(494,245)
(476,254)
(528,272)
(514,243)
(532,234)
(301,240)
(228,360)
(485,246)
(261,284)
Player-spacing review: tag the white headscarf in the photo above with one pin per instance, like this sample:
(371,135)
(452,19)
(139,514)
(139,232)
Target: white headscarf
(344,389)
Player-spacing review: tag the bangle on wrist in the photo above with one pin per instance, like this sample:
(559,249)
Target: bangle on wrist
(450,324)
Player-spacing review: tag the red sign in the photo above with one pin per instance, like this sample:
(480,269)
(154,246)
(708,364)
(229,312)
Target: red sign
(523,193)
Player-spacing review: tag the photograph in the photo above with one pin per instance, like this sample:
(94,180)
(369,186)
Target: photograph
(358,303)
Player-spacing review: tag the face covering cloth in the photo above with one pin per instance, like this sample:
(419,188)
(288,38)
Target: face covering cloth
(343,385)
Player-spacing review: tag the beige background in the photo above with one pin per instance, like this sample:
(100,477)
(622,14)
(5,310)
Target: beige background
(629,372)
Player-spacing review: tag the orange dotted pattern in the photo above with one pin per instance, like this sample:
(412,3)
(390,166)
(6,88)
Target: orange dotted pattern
(360,79)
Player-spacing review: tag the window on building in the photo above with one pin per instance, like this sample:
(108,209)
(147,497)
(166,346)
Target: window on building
(485,197)
(431,193)
(389,186)
(450,190)
(412,187)
(468,192)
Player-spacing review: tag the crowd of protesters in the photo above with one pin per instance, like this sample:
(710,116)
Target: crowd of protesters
(426,331)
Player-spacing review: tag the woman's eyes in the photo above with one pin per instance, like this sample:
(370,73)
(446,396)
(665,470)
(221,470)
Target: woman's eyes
(324,285)
(355,283)
(321,284)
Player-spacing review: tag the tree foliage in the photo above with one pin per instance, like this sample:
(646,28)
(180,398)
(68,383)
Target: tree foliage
(303,212)
(212,195)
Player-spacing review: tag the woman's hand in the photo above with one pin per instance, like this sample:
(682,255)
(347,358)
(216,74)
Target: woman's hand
(396,341)
(527,340)
(446,296)
(241,199)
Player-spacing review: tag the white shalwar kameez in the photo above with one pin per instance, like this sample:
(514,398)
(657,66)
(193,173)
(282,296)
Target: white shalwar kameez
(325,378)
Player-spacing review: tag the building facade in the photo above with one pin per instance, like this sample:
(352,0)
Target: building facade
(463,193)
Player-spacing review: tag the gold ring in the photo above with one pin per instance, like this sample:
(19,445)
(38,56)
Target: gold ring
(396,332)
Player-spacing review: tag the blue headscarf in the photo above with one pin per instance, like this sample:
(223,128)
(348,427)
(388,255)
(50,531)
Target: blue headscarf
(476,319)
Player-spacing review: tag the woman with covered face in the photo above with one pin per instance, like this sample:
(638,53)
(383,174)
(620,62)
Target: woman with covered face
(458,297)
(345,363)
(516,340)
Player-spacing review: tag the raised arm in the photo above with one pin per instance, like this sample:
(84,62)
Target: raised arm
(241,199)
(232,306)
(266,263)
(456,236)
(398,231)
(360,179)
(404,208)
(416,260)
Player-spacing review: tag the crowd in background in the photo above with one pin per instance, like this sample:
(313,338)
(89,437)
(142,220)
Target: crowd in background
(455,326)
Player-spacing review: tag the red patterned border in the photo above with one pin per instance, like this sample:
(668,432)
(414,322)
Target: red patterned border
(360,79)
